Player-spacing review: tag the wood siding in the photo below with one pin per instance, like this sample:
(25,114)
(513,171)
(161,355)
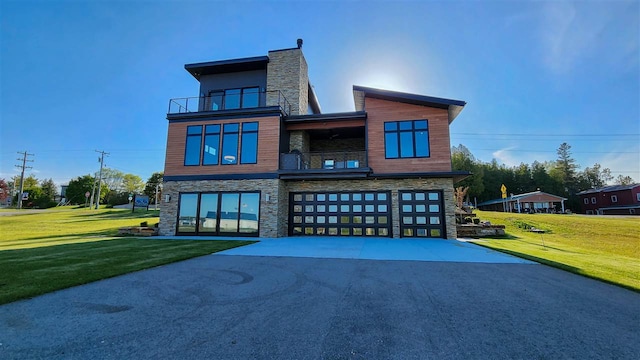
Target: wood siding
(268,149)
(381,111)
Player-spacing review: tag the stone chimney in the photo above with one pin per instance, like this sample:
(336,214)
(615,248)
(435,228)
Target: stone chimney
(287,72)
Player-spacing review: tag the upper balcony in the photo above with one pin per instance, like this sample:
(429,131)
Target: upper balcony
(229,101)
(323,164)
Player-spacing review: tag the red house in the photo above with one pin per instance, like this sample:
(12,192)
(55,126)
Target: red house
(611,200)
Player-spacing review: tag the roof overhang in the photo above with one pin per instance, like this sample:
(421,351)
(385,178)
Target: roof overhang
(454,107)
(227,66)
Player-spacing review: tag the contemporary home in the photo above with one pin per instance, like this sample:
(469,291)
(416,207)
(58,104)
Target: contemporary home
(253,155)
(611,200)
(532,202)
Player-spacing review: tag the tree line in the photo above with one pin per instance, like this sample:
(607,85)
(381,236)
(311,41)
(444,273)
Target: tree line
(115,189)
(560,177)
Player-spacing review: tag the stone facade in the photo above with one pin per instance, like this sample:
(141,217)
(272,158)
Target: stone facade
(299,140)
(287,72)
(273,202)
(274,212)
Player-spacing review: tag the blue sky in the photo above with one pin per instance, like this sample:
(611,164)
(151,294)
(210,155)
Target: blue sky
(80,76)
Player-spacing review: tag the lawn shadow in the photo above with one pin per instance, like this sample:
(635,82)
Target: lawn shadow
(117,214)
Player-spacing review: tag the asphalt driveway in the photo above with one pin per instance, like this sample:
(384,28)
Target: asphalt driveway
(255,307)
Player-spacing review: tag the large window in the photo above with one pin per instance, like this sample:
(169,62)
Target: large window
(219,213)
(230,144)
(249,152)
(221,144)
(211,147)
(192,146)
(240,98)
(406,139)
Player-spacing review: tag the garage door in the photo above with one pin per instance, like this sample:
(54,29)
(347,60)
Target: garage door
(340,214)
(422,214)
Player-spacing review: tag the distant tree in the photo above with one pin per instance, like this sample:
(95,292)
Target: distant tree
(463,160)
(113,179)
(150,187)
(624,180)
(49,190)
(566,167)
(81,185)
(4,190)
(30,182)
(132,183)
(594,177)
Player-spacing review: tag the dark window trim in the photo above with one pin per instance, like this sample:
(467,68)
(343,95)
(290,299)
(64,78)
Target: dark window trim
(186,141)
(242,133)
(219,148)
(222,135)
(223,93)
(219,206)
(413,131)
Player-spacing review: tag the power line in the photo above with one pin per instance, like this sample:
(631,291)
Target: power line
(24,160)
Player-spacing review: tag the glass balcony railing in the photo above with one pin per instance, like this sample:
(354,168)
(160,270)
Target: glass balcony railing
(324,160)
(229,101)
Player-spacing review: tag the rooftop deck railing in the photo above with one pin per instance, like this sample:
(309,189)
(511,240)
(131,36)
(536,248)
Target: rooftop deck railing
(323,160)
(218,102)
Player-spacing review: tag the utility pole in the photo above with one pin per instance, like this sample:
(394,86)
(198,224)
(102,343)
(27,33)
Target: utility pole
(102,154)
(23,166)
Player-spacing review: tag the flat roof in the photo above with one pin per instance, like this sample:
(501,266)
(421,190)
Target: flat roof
(453,106)
(227,66)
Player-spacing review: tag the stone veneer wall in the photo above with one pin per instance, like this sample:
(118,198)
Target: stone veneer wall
(299,140)
(275,208)
(393,185)
(274,214)
(287,72)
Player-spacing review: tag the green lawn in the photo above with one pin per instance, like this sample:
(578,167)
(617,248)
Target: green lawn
(605,248)
(57,249)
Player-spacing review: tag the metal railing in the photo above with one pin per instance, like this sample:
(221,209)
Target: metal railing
(217,102)
(323,160)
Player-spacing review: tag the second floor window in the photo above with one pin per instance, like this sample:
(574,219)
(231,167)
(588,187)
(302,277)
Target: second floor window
(406,139)
(221,144)
(230,99)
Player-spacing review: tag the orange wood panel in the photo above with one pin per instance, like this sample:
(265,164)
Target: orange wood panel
(268,146)
(381,111)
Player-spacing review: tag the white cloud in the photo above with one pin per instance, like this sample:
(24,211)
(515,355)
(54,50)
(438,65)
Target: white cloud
(626,164)
(571,31)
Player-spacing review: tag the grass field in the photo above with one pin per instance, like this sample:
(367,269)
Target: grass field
(56,249)
(605,248)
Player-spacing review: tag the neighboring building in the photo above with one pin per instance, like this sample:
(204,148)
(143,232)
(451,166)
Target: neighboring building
(254,156)
(533,202)
(611,200)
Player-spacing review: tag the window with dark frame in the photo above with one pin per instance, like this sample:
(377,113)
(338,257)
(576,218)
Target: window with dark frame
(222,144)
(236,98)
(193,145)
(249,143)
(406,139)
(215,213)
(230,144)
(211,146)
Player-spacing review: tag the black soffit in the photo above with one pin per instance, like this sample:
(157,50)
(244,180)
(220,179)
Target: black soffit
(227,66)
